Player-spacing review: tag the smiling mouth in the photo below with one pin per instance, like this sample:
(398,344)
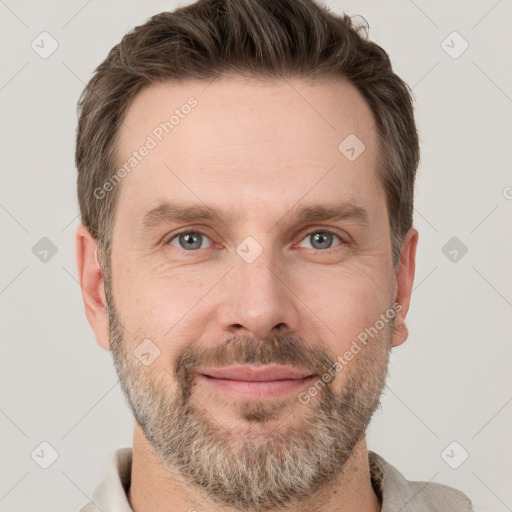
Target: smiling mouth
(256,381)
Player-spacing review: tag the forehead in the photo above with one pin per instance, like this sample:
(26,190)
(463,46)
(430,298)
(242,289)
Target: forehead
(249,143)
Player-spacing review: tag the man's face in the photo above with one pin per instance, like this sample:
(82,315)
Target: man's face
(246,313)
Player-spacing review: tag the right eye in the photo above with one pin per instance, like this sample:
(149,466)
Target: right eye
(189,240)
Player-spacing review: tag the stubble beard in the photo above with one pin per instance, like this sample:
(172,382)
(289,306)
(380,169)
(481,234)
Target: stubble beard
(266,463)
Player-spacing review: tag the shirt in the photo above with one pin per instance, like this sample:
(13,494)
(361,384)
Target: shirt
(395,492)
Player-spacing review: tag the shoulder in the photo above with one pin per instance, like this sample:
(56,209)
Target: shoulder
(111,492)
(398,493)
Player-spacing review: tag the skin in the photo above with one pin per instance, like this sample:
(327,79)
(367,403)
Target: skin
(257,149)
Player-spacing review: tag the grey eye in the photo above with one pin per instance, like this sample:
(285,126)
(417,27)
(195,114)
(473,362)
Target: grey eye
(321,239)
(189,240)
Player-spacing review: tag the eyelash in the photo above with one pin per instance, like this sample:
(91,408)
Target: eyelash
(189,231)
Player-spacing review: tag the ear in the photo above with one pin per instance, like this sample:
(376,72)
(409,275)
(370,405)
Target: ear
(404,280)
(90,276)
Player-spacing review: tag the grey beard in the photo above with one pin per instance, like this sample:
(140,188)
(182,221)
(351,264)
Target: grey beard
(255,469)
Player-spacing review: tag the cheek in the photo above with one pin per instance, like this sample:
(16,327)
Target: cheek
(156,298)
(162,306)
(347,302)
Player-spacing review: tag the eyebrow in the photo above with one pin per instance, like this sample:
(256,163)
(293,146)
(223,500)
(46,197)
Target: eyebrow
(167,213)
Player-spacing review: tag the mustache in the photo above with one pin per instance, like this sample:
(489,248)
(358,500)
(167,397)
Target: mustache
(283,349)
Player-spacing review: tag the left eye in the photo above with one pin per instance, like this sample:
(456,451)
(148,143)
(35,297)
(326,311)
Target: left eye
(321,239)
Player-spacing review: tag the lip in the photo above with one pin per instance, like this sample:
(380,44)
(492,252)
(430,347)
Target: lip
(256,373)
(255,381)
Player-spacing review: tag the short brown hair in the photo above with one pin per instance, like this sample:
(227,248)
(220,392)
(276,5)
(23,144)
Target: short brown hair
(258,38)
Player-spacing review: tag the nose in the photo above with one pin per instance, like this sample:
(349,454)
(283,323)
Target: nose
(257,300)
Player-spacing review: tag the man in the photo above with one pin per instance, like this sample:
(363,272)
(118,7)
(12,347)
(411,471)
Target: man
(246,177)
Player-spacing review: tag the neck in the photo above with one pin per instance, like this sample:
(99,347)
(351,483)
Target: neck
(154,487)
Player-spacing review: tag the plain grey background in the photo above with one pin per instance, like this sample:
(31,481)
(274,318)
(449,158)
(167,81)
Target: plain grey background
(449,383)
